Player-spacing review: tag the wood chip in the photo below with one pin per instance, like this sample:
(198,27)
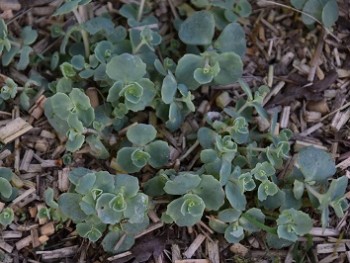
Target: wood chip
(340,119)
(10,5)
(6,247)
(11,234)
(327,232)
(118,256)
(13,130)
(312,129)
(285,117)
(63,181)
(4,154)
(23,196)
(239,249)
(175,252)
(58,253)
(24,242)
(26,160)
(194,246)
(330,248)
(47,229)
(344,164)
(213,250)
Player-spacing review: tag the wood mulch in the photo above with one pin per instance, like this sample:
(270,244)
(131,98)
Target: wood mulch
(309,73)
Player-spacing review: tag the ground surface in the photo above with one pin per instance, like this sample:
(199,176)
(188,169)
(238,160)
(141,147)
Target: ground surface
(281,52)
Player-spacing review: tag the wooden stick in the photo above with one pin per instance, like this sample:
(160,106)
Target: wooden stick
(13,130)
(197,242)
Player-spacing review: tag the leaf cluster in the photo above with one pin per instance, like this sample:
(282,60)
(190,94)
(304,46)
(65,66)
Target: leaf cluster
(325,11)
(100,202)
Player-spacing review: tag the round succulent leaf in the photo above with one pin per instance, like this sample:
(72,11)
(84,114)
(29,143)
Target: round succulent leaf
(257,215)
(263,171)
(289,200)
(176,116)
(24,58)
(154,186)
(6,216)
(208,155)
(275,242)
(135,228)
(311,10)
(210,190)
(104,182)
(78,62)
(235,196)
(126,184)
(234,233)
(206,137)
(185,69)
(88,231)
(104,210)
(298,4)
(74,123)
(103,51)
(217,225)
(136,209)
(141,134)
(292,223)
(97,147)
(298,189)
(186,210)
(85,183)
(69,205)
(315,164)
(132,92)
(114,91)
(118,203)
(67,70)
(5,188)
(182,183)
(49,198)
(148,95)
(59,105)
(203,75)
(140,158)
(124,160)
(88,204)
(113,237)
(247,181)
(64,85)
(126,68)
(76,173)
(330,13)
(265,189)
(198,29)
(169,88)
(28,35)
(243,8)
(159,152)
(232,39)
(231,68)
(75,141)
(79,99)
(229,215)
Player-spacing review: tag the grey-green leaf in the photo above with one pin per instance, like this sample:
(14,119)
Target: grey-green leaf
(126,67)
(198,29)
(141,134)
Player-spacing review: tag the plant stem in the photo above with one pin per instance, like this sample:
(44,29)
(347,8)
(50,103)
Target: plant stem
(251,219)
(191,149)
(243,107)
(313,191)
(139,14)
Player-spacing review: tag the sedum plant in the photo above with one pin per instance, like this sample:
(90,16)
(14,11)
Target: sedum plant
(325,11)
(98,202)
(235,184)
(145,150)
(7,194)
